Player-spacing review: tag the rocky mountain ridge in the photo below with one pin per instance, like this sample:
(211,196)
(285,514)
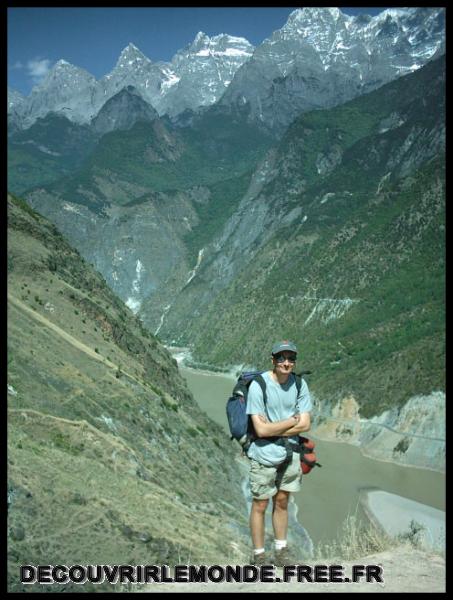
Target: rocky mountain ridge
(196,76)
(320,58)
(51,148)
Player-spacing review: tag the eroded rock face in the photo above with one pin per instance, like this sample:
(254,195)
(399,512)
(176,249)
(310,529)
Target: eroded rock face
(413,435)
(200,73)
(134,247)
(66,89)
(422,419)
(343,424)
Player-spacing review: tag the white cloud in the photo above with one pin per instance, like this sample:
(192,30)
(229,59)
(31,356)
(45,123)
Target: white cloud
(17,65)
(38,69)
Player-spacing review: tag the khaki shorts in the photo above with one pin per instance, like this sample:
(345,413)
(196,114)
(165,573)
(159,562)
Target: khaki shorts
(266,481)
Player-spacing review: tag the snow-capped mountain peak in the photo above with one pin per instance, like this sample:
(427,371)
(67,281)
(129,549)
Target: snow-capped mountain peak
(131,55)
(201,37)
(311,13)
(225,44)
(393,13)
(63,68)
(320,57)
(200,72)
(201,41)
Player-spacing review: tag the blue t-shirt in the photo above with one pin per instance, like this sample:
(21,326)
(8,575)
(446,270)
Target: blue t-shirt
(282,403)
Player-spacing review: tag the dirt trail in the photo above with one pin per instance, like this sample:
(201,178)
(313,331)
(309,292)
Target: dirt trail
(67,336)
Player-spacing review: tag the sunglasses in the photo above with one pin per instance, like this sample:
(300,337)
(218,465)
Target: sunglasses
(281,359)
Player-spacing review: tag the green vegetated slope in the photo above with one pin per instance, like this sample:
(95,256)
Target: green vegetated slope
(110,460)
(50,149)
(357,280)
(157,157)
(373,323)
(164,157)
(213,214)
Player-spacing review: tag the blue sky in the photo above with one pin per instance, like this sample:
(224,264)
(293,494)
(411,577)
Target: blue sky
(93,38)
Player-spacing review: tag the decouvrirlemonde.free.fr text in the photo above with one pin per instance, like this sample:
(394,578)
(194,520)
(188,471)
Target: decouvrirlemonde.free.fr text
(141,574)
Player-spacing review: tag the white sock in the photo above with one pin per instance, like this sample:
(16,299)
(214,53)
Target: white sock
(279,544)
(258,551)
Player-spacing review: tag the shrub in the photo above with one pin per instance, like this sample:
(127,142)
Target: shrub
(415,534)
(402,445)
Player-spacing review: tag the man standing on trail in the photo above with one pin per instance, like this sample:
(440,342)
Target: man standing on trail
(275,469)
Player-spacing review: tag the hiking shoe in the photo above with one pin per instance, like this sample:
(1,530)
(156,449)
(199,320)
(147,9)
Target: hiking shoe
(260,559)
(284,557)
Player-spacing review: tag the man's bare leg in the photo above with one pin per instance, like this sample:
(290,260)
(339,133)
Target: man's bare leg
(257,514)
(280,514)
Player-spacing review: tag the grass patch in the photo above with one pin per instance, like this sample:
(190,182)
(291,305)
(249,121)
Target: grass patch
(354,541)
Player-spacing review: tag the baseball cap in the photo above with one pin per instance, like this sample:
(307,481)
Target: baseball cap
(282,346)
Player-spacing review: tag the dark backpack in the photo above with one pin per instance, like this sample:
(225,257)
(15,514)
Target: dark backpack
(240,423)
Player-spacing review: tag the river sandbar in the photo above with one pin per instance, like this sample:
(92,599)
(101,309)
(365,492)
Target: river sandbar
(394,514)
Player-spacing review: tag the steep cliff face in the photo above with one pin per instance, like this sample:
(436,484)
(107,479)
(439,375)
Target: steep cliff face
(422,419)
(200,73)
(135,246)
(66,89)
(232,250)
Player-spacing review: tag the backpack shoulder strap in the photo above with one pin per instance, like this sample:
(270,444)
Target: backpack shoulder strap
(298,379)
(260,381)
(298,382)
